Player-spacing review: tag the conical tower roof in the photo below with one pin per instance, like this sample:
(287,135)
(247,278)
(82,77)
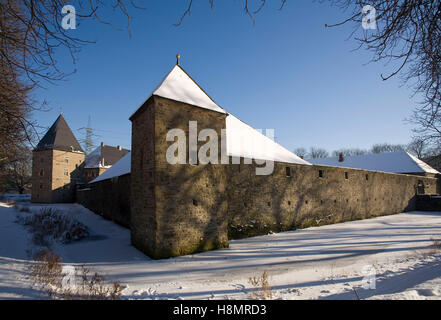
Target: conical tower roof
(59,137)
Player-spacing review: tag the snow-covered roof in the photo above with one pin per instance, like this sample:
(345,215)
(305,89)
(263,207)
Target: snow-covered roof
(104,156)
(59,137)
(93,159)
(120,168)
(394,162)
(179,86)
(245,141)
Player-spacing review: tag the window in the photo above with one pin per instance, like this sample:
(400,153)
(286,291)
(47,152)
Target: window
(66,159)
(346,176)
(288,171)
(66,173)
(41,186)
(320,173)
(42,172)
(195,202)
(367,177)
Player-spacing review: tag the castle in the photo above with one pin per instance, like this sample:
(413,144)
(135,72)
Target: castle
(187,205)
(60,165)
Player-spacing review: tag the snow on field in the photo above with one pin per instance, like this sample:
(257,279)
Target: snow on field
(329,262)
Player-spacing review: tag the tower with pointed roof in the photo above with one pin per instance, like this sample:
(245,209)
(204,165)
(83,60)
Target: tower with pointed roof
(172,206)
(56,164)
(180,209)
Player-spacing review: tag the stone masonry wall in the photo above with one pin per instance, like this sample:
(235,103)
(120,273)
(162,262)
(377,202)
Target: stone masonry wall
(55,174)
(65,175)
(109,198)
(143,223)
(181,209)
(42,176)
(304,196)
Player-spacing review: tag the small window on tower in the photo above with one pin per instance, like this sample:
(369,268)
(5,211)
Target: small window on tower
(288,171)
(66,160)
(42,172)
(66,173)
(41,186)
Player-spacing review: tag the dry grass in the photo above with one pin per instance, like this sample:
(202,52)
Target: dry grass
(79,285)
(436,246)
(262,287)
(10,202)
(49,224)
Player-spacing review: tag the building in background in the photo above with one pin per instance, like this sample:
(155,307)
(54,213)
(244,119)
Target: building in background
(392,162)
(101,159)
(56,164)
(59,164)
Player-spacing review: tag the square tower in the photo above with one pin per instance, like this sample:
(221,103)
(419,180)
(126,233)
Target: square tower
(180,208)
(56,164)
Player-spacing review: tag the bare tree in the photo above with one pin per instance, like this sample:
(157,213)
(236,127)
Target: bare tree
(301,152)
(35,34)
(16,174)
(418,147)
(349,152)
(387,147)
(405,34)
(317,153)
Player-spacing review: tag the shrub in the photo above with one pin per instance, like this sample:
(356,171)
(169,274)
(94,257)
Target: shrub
(51,224)
(48,272)
(263,289)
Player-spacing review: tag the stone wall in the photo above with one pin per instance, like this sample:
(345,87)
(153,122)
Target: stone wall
(109,198)
(303,196)
(55,174)
(181,209)
(66,174)
(428,202)
(143,218)
(42,176)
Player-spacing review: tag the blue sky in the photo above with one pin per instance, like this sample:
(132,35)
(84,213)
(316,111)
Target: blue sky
(287,72)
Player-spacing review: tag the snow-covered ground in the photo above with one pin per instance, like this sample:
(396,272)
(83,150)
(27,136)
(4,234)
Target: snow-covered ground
(329,262)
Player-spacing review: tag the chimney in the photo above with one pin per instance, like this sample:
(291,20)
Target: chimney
(102,161)
(102,144)
(119,148)
(340,157)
